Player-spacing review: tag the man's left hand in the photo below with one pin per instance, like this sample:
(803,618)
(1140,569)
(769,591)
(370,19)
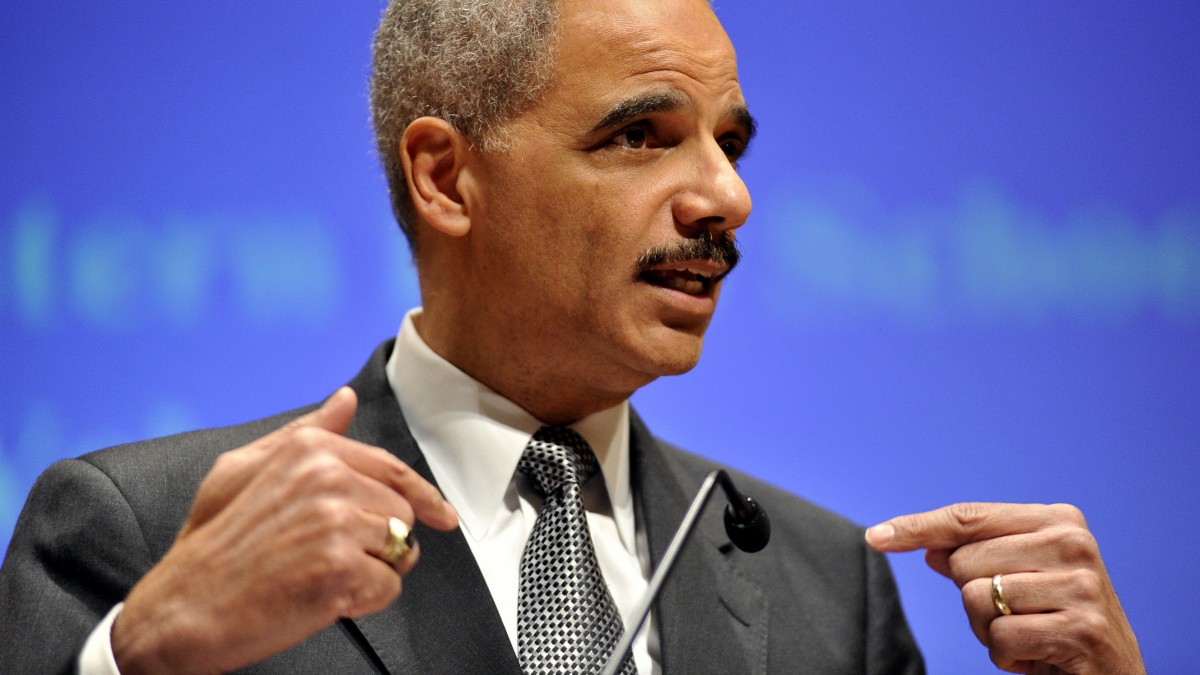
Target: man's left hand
(1065,616)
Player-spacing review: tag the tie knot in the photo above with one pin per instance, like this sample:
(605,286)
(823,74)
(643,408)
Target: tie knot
(556,456)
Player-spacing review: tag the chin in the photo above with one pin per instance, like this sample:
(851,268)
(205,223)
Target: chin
(676,355)
(678,368)
(644,352)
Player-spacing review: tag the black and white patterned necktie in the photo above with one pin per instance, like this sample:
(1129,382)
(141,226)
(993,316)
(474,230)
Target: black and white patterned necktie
(567,621)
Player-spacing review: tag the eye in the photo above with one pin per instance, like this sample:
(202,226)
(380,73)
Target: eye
(634,138)
(734,148)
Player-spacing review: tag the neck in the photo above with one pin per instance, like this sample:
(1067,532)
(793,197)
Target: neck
(548,388)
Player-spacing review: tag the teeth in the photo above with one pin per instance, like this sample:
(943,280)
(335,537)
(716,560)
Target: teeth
(685,285)
(683,280)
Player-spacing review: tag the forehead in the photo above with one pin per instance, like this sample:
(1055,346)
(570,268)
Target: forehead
(609,47)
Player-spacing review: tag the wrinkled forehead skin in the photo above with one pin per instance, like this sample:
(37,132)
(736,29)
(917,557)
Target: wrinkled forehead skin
(632,40)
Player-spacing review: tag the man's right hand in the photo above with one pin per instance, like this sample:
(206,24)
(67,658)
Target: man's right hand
(283,539)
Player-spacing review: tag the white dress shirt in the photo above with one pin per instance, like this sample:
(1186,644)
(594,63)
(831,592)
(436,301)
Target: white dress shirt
(472,439)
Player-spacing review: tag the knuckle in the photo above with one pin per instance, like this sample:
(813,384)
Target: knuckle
(978,609)
(383,592)
(226,463)
(959,564)
(391,589)
(1053,641)
(374,593)
(1008,636)
(1008,645)
(399,473)
(359,601)
(401,469)
(1088,585)
(337,569)
(324,577)
(1090,629)
(344,604)
(332,515)
(999,656)
(1087,634)
(1068,513)
(321,474)
(232,463)
(1075,545)
(969,515)
(977,597)
(306,438)
(999,639)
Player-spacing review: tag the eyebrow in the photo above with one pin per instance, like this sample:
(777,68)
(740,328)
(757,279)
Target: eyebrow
(668,101)
(631,108)
(741,115)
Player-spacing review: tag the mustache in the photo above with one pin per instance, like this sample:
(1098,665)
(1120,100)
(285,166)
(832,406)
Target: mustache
(721,249)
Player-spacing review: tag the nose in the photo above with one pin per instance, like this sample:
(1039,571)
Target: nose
(713,196)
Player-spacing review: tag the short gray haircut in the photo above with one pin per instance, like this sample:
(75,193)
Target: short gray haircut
(474,63)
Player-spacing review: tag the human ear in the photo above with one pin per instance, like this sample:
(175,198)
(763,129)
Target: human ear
(433,154)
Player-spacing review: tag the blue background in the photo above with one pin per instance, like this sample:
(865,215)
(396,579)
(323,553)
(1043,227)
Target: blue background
(972,273)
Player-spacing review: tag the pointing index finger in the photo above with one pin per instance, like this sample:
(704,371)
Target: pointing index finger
(959,524)
(428,504)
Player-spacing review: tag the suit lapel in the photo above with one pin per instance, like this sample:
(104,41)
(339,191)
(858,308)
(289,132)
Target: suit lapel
(707,606)
(445,620)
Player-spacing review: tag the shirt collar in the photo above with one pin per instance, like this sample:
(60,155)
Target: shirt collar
(472,437)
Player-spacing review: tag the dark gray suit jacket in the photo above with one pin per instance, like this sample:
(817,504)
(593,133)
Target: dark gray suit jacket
(816,600)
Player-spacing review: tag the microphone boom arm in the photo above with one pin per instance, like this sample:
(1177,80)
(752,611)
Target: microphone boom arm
(743,508)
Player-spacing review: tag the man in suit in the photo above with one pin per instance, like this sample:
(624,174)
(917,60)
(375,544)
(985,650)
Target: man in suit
(566,175)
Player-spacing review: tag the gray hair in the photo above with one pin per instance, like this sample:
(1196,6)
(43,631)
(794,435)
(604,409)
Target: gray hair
(474,63)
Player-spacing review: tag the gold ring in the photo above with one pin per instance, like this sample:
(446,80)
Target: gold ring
(399,541)
(998,595)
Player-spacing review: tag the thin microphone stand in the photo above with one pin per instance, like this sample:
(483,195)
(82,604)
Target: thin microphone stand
(682,535)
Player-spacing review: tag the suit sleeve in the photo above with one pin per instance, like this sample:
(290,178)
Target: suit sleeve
(890,644)
(76,551)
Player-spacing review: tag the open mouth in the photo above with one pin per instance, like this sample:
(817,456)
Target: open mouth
(693,267)
(681,279)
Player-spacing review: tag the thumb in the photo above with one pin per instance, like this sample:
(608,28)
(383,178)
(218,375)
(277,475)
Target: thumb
(334,414)
(234,469)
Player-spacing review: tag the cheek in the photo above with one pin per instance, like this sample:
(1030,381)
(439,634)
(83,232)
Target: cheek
(625,210)
(588,228)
